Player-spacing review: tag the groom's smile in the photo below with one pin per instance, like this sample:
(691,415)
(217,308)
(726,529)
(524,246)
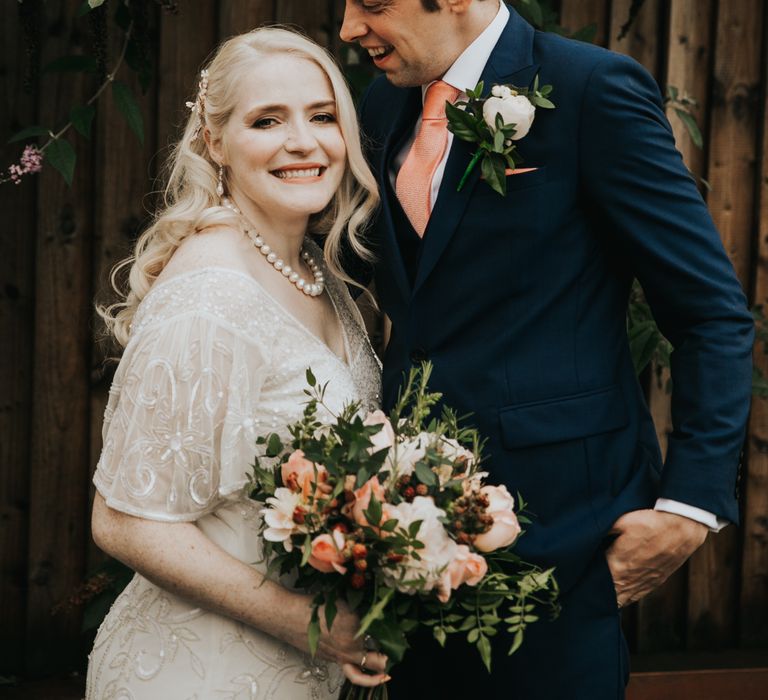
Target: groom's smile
(413,41)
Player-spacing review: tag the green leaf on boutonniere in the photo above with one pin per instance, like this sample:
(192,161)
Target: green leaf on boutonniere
(496,150)
(493,171)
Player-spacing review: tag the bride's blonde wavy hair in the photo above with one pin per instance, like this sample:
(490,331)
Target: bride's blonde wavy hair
(190,202)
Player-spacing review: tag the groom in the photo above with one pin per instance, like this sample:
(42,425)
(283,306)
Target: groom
(519,301)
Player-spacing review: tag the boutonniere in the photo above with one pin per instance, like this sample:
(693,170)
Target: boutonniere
(494,123)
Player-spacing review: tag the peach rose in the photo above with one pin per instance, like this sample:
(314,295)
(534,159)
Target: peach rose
(328,553)
(498,499)
(363,499)
(465,567)
(385,438)
(503,532)
(298,473)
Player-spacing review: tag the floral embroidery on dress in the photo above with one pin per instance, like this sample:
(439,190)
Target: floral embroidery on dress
(213,361)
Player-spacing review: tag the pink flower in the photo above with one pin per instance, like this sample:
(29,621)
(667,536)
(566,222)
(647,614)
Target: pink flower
(503,532)
(328,553)
(465,567)
(505,527)
(498,499)
(31,162)
(298,473)
(385,438)
(363,499)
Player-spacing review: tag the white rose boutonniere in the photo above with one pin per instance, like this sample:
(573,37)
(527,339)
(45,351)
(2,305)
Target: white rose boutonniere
(494,123)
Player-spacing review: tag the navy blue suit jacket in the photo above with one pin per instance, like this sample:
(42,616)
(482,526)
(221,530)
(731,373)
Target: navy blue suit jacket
(520,301)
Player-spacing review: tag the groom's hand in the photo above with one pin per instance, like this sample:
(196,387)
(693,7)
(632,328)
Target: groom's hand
(649,546)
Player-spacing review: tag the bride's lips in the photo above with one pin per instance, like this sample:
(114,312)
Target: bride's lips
(300,173)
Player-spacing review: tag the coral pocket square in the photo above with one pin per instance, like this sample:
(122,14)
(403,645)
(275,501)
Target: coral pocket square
(516,171)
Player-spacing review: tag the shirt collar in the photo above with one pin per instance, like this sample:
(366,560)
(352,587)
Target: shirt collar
(468,67)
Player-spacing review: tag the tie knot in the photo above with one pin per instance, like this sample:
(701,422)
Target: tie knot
(434,100)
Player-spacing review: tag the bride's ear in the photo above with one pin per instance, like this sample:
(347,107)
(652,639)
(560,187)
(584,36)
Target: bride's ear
(214,145)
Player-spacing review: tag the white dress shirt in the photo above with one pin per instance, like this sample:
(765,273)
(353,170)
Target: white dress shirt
(465,74)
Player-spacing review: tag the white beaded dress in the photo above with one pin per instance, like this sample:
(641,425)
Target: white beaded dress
(213,361)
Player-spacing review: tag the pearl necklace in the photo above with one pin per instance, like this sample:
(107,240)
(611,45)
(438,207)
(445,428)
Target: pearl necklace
(311,289)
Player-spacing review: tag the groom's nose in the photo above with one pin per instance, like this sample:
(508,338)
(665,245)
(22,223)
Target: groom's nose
(353,27)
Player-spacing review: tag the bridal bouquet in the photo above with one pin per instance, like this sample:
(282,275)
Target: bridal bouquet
(392,514)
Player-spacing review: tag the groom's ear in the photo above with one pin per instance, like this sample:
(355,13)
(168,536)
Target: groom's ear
(214,145)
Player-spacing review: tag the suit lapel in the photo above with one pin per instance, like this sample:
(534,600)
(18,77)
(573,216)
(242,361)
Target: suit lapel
(510,62)
(407,113)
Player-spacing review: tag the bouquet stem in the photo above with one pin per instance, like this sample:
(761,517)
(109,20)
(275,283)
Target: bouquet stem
(350,691)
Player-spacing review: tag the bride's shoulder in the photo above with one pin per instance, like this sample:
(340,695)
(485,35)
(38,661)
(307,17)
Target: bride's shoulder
(216,246)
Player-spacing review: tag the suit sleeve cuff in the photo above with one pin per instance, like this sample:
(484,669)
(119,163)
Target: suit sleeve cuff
(704,517)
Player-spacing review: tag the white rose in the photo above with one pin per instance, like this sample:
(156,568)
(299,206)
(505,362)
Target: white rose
(514,109)
(279,516)
(439,548)
(403,456)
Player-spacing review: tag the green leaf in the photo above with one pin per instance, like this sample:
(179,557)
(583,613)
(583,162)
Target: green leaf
(330,610)
(543,102)
(29,132)
(424,474)
(123,16)
(373,512)
(586,34)
(693,128)
(484,647)
(82,119)
(493,172)
(311,378)
(313,632)
(498,141)
(126,103)
(274,445)
(375,612)
(61,156)
(516,642)
(439,635)
(84,64)
(306,550)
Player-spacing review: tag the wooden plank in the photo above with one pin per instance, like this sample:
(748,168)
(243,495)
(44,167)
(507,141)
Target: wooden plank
(60,417)
(753,606)
(179,62)
(17,247)
(642,40)
(659,618)
(662,616)
(119,197)
(714,569)
(576,14)
(238,16)
(315,19)
(745,684)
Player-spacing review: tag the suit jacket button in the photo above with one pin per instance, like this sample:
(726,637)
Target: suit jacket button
(419,355)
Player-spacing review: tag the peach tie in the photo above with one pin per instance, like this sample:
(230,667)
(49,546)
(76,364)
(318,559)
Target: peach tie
(414,181)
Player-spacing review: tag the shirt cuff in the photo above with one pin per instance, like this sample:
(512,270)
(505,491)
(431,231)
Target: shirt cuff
(704,517)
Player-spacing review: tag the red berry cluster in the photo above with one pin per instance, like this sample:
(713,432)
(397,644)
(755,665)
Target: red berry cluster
(359,554)
(469,517)
(408,489)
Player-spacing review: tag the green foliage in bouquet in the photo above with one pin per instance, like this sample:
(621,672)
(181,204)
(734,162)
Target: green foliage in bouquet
(377,501)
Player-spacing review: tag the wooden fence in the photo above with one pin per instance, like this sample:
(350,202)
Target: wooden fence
(59,243)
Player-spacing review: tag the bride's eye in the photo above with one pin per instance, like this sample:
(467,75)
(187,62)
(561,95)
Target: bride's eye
(264,123)
(324,118)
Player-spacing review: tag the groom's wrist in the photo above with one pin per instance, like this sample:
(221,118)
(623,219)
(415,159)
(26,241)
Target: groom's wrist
(668,505)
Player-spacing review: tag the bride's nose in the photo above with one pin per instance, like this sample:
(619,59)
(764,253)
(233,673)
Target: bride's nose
(300,138)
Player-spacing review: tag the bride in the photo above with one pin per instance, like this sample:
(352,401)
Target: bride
(229,303)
